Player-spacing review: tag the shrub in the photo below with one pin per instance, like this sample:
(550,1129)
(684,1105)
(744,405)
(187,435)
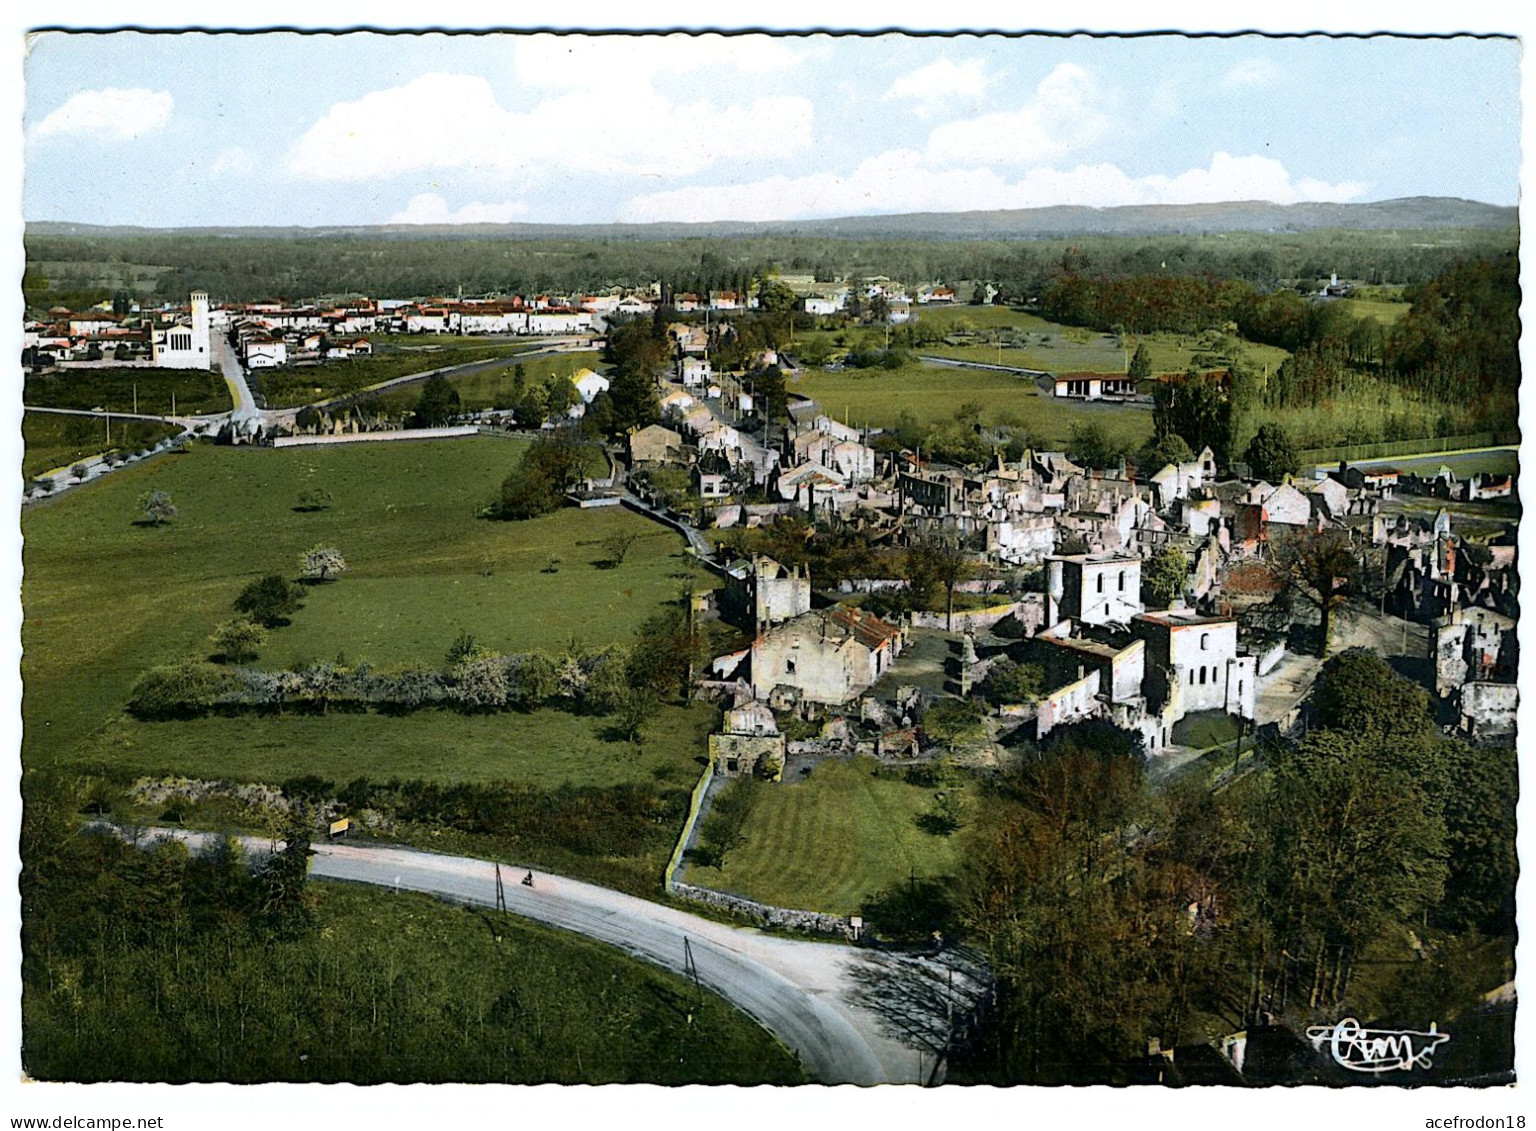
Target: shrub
(481,683)
(180,690)
(268,600)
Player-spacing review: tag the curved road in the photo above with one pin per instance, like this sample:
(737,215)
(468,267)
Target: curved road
(822,1000)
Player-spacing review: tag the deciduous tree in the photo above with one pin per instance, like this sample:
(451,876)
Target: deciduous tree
(268,600)
(321,563)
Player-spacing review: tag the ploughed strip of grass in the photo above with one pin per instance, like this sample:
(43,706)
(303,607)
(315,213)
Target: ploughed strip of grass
(832,841)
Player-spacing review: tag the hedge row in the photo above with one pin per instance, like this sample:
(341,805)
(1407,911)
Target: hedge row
(594,682)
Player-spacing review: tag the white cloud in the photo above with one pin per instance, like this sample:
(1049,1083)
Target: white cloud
(452,121)
(110,114)
(940,84)
(901,181)
(1066,113)
(429,208)
(619,63)
(233,159)
(1250,72)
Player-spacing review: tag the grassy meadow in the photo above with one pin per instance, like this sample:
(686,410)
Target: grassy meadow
(294,387)
(1041,344)
(878,397)
(490,388)
(832,840)
(105,599)
(196,391)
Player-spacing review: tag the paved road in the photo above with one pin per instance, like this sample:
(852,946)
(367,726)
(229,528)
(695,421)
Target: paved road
(853,1016)
(958,363)
(555,348)
(184,421)
(234,376)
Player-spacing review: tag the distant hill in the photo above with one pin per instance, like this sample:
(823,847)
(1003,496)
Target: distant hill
(1414,213)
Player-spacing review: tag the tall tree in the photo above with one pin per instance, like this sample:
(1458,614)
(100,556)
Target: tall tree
(437,404)
(1198,408)
(1271,455)
(938,560)
(1140,367)
(1318,567)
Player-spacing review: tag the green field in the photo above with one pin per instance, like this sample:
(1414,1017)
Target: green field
(105,599)
(1496,461)
(196,391)
(1041,344)
(833,840)
(1388,313)
(385,987)
(54,442)
(878,397)
(489,388)
(545,748)
(290,388)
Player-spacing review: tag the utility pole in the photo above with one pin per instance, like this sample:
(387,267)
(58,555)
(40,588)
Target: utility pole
(692,970)
(135,398)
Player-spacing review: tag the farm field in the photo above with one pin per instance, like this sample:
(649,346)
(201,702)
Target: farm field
(196,391)
(931,394)
(1056,348)
(832,840)
(400,988)
(291,388)
(545,748)
(1494,461)
(54,442)
(104,596)
(489,388)
(1387,313)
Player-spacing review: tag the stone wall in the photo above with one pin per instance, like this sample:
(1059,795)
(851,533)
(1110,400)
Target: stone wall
(450,432)
(1030,612)
(763,915)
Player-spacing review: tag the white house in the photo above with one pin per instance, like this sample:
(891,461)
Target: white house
(265,353)
(694,372)
(589,384)
(560,322)
(825,304)
(1196,663)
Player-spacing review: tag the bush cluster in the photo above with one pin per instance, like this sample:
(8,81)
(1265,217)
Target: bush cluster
(592,682)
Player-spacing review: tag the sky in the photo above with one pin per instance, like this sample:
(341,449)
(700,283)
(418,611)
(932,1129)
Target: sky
(367,128)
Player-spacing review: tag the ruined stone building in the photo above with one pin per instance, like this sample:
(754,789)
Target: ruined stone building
(829,657)
(1093,588)
(749,743)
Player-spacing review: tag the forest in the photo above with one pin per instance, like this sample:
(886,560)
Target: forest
(78,270)
(152,963)
(1370,872)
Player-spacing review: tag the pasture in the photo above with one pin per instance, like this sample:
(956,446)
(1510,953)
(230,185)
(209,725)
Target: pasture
(105,598)
(932,394)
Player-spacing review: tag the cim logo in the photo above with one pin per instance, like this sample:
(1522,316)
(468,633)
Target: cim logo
(1377,1050)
